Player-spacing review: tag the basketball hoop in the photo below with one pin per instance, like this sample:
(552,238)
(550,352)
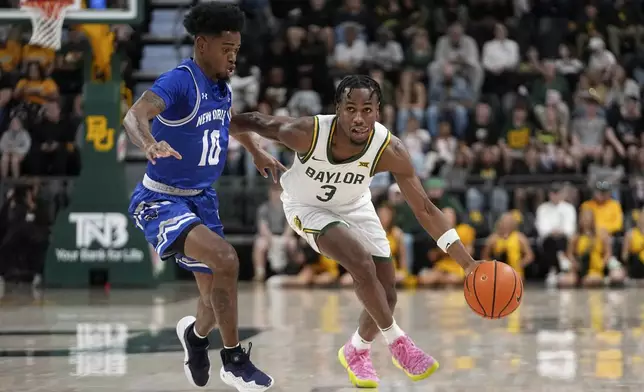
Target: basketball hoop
(47,17)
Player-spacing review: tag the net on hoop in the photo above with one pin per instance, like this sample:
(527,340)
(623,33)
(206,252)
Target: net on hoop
(47,17)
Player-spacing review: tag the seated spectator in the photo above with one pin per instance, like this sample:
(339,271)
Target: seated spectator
(551,130)
(49,153)
(556,223)
(588,131)
(462,53)
(411,100)
(508,245)
(625,131)
(449,97)
(385,53)
(517,136)
(36,89)
(419,53)
(396,242)
(601,60)
(624,25)
(588,251)
(483,130)
(305,101)
(445,270)
(485,194)
(633,250)
(275,92)
(606,211)
(620,88)
(275,239)
(568,66)
(443,151)
(14,146)
(349,55)
(500,61)
(548,93)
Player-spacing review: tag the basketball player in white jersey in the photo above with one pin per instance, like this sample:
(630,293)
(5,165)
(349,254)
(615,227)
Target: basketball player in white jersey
(327,201)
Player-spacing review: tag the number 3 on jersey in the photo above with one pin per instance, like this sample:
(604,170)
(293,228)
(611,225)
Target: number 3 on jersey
(211,148)
(328,195)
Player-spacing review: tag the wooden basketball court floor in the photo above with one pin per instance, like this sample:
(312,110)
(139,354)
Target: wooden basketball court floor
(64,341)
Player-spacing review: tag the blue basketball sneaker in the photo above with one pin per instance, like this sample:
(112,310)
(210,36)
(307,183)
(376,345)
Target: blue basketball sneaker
(196,363)
(240,373)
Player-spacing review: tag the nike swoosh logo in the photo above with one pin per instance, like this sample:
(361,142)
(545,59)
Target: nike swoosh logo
(315,159)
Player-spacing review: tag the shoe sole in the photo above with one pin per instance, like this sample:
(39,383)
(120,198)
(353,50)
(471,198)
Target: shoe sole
(417,377)
(182,325)
(233,381)
(355,381)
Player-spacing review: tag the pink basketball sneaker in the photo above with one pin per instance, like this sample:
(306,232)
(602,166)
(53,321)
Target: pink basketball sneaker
(412,360)
(358,365)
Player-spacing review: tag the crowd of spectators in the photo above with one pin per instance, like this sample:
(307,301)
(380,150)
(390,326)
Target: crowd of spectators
(496,100)
(41,116)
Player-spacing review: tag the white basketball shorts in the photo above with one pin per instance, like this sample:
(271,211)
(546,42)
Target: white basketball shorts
(363,222)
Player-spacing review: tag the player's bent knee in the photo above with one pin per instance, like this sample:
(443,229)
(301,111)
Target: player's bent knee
(222,259)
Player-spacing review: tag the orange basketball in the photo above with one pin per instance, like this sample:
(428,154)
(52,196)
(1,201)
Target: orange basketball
(493,289)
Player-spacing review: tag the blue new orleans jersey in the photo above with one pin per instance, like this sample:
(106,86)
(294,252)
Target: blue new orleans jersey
(195,123)
(175,195)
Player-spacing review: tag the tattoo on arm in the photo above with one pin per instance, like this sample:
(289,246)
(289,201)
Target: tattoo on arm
(153,100)
(137,119)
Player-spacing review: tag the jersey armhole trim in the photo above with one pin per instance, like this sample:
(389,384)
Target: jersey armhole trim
(381,150)
(314,141)
(195,110)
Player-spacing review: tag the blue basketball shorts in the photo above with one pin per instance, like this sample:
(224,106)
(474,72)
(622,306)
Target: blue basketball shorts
(163,218)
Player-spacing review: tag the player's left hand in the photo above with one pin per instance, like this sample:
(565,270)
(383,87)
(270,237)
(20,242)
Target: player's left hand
(266,163)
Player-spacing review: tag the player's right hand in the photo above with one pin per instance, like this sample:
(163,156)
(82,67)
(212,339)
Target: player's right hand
(160,150)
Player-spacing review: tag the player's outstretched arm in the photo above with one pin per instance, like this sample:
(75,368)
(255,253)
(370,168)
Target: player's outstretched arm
(264,161)
(137,127)
(396,160)
(294,133)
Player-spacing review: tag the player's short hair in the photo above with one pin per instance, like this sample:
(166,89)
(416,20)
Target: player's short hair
(357,81)
(213,18)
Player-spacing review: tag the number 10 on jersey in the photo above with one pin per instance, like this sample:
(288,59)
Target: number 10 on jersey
(211,148)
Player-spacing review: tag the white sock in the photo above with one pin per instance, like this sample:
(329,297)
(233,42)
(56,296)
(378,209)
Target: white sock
(235,346)
(194,329)
(392,333)
(359,343)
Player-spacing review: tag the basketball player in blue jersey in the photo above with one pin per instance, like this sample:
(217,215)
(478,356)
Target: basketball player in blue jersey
(175,205)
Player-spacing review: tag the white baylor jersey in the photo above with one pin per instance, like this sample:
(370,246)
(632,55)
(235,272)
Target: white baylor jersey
(316,179)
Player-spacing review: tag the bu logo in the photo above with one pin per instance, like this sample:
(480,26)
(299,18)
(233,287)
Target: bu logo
(109,229)
(204,96)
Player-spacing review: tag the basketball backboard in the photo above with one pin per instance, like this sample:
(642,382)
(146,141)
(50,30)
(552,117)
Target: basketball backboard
(130,11)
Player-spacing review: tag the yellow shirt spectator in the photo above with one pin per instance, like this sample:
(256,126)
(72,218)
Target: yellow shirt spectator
(10,55)
(608,214)
(36,88)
